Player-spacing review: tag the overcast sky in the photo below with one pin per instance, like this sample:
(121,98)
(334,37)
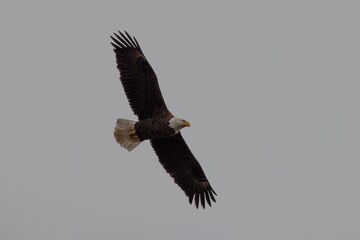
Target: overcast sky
(271,89)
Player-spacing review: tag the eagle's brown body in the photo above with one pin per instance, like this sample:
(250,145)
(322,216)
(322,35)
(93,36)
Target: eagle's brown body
(153,128)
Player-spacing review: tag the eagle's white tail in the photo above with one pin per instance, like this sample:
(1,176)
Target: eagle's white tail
(125,135)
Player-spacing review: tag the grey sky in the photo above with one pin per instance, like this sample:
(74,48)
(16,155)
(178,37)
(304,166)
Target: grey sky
(271,89)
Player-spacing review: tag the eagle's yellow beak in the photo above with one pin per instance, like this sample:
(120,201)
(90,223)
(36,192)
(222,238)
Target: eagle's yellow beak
(186,124)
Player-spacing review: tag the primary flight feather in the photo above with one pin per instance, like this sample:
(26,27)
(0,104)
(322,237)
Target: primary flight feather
(155,122)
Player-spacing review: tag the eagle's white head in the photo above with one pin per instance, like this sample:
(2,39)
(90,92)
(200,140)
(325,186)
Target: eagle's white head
(178,123)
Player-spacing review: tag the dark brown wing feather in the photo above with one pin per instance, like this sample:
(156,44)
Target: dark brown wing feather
(138,78)
(180,163)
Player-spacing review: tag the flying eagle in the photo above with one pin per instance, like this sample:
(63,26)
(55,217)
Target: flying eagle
(155,122)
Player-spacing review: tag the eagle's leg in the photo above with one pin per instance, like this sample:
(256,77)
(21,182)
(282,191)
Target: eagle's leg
(133,135)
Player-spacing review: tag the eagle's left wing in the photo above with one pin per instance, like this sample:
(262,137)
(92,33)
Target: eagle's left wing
(180,163)
(138,78)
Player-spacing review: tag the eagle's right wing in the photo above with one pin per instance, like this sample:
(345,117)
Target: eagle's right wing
(180,163)
(137,77)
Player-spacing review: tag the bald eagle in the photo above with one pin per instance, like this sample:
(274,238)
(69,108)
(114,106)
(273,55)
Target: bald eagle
(155,122)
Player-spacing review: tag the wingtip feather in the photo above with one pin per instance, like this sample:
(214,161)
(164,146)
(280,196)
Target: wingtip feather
(202,199)
(208,198)
(191,197)
(197,200)
(125,40)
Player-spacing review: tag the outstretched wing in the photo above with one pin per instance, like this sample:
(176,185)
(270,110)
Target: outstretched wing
(137,77)
(180,163)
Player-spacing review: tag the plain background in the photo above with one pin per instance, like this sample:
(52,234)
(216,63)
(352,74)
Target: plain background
(271,89)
